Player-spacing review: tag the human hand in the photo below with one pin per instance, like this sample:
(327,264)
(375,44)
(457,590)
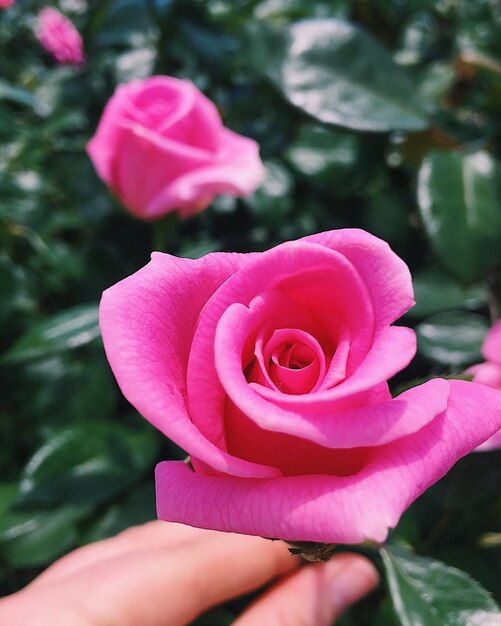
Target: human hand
(163,574)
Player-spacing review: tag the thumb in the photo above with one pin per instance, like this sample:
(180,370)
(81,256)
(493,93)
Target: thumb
(315,595)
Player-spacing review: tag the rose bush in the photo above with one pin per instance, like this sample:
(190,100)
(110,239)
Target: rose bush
(161,146)
(59,37)
(489,373)
(270,369)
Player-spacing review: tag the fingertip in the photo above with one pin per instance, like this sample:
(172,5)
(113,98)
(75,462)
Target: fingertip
(314,595)
(351,577)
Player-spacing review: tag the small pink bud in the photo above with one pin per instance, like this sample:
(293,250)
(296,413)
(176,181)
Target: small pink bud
(59,37)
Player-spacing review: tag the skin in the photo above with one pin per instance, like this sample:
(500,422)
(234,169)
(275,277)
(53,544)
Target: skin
(163,574)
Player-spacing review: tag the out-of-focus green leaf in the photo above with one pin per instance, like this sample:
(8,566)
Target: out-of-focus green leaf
(435,80)
(426,592)
(55,88)
(338,74)
(272,200)
(15,94)
(452,339)
(33,538)
(7,494)
(127,23)
(436,292)
(479,29)
(137,508)
(215,48)
(419,37)
(299,9)
(386,215)
(66,330)
(196,249)
(327,155)
(135,63)
(9,280)
(460,203)
(88,462)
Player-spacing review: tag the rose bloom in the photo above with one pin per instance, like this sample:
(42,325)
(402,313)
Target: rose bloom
(161,146)
(489,373)
(59,37)
(270,369)
(5,4)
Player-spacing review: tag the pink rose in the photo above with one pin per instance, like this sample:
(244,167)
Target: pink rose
(59,37)
(5,4)
(270,369)
(489,373)
(161,146)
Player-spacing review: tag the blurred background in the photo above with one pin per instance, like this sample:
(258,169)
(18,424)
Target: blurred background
(412,158)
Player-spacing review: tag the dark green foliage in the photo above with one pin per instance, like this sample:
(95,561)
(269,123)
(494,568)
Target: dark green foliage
(386,117)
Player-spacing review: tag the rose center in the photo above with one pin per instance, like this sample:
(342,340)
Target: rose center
(295,357)
(294,368)
(289,360)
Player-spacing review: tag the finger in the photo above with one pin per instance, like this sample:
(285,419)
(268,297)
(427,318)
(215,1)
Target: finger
(315,595)
(172,586)
(155,534)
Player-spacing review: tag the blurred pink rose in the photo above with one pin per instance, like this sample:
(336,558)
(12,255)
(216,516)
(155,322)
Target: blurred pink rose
(5,4)
(489,373)
(270,369)
(161,146)
(59,37)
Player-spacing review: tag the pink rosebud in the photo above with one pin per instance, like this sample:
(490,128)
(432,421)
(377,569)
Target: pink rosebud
(161,146)
(59,37)
(270,369)
(489,373)
(5,4)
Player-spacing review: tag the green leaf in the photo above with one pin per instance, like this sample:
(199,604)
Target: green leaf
(436,292)
(338,74)
(460,203)
(66,330)
(426,592)
(126,23)
(273,200)
(33,538)
(453,339)
(7,494)
(88,462)
(135,63)
(478,32)
(137,508)
(327,155)
(15,94)
(276,10)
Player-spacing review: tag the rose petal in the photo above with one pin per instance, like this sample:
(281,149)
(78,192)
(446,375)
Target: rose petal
(292,455)
(322,508)
(147,323)
(205,393)
(101,148)
(299,380)
(146,196)
(387,277)
(491,350)
(128,106)
(334,426)
(160,103)
(493,443)
(202,127)
(391,352)
(486,373)
(236,169)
